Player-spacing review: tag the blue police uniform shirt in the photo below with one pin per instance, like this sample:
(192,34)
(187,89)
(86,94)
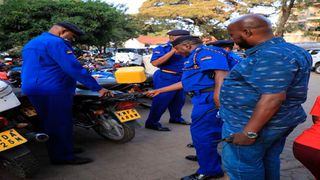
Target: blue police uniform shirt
(175,63)
(50,67)
(198,69)
(233,59)
(271,67)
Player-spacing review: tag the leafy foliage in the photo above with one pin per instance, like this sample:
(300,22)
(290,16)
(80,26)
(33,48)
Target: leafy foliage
(21,20)
(208,15)
(305,17)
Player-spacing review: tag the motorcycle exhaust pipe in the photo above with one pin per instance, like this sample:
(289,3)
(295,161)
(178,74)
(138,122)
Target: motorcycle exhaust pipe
(39,137)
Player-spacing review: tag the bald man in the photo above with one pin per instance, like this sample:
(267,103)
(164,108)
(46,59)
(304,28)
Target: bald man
(261,99)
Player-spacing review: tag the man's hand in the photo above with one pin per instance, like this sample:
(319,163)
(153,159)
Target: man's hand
(216,100)
(242,139)
(105,92)
(153,93)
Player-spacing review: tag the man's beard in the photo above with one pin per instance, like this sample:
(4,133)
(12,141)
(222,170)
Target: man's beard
(243,44)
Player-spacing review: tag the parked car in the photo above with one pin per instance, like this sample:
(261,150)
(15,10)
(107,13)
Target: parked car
(315,53)
(130,56)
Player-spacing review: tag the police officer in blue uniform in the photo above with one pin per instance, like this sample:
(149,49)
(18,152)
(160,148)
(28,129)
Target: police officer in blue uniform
(233,59)
(49,74)
(202,78)
(227,45)
(170,67)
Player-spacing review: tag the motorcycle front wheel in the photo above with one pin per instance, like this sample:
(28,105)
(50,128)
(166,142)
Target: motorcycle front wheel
(115,131)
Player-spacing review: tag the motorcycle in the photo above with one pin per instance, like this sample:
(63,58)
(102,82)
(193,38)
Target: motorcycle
(113,118)
(14,155)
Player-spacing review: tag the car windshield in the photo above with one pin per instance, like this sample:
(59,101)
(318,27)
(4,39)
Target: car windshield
(127,50)
(314,51)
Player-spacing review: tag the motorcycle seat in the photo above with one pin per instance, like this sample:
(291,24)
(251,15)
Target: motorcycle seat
(104,82)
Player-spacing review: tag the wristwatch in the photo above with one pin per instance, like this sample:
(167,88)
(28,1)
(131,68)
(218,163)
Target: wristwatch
(250,134)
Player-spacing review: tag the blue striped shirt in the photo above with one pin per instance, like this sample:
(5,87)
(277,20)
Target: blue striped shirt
(274,66)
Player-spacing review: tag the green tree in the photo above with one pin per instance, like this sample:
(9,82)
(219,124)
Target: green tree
(286,6)
(21,20)
(305,17)
(209,15)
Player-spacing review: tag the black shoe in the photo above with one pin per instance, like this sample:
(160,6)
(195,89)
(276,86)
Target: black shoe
(190,145)
(180,122)
(197,176)
(75,161)
(78,150)
(158,128)
(192,158)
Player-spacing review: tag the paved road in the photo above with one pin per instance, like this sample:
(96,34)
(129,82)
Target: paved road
(152,155)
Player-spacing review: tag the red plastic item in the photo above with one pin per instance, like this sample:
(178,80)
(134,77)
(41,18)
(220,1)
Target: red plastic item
(3,122)
(3,76)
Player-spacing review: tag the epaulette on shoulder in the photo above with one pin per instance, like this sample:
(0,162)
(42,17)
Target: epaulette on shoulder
(214,49)
(164,45)
(198,49)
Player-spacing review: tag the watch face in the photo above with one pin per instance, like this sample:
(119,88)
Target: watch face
(252,135)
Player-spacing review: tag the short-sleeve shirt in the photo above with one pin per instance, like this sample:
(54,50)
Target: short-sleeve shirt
(198,69)
(176,61)
(233,59)
(270,67)
(311,137)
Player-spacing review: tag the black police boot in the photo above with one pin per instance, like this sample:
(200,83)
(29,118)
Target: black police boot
(158,128)
(197,176)
(75,161)
(78,150)
(192,158)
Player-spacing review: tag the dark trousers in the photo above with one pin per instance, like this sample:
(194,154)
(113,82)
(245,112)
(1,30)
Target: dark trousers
(309,157)
(205,129)
(173,101)
(55,112)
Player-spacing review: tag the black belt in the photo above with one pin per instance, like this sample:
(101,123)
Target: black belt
(193,93)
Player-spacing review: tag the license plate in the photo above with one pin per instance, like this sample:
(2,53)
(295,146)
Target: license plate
(28,111)
(10,139)
(127,115)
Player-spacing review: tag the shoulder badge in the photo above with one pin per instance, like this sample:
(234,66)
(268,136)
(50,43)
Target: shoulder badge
(164,45)
(156,52)
(206,58)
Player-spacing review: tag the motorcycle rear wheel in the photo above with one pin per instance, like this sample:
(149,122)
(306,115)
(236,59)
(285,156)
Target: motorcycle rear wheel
(24,166)
(126,131)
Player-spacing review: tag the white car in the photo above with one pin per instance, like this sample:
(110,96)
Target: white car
(315,53)
(130,56)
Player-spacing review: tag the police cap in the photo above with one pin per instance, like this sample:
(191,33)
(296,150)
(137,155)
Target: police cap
(221,43)
(181,39)
(71,27)
(178,32)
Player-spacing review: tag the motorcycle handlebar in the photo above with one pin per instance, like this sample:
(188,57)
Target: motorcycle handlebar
(124,96)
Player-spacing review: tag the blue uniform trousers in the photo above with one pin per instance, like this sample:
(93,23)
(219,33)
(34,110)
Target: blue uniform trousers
(205,129)
(173,100)
(55,112)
